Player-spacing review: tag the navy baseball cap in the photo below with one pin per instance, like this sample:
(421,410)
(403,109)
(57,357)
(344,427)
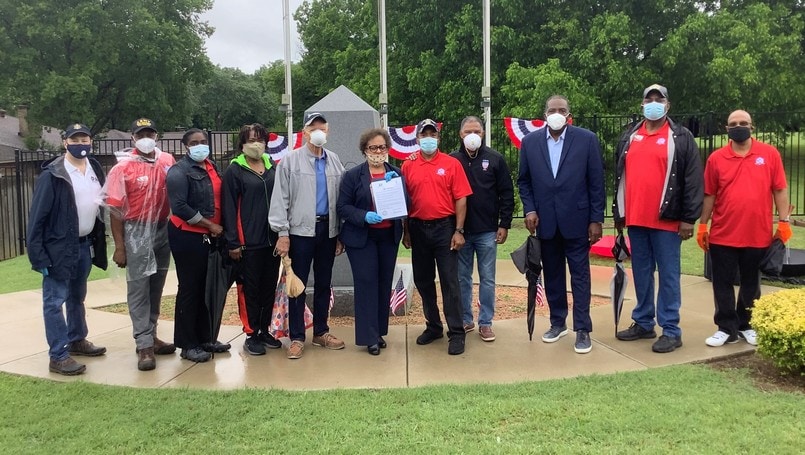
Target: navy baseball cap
(427,123)
(76,128)
(313,116)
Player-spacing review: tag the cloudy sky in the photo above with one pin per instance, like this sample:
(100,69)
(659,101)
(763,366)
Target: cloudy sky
(248,33)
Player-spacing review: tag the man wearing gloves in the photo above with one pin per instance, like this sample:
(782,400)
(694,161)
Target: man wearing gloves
(489,217)
(303,213)
(738,180)
(66,236)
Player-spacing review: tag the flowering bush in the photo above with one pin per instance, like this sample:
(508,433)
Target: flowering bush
(779,320)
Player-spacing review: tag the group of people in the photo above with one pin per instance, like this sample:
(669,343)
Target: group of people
(460,207)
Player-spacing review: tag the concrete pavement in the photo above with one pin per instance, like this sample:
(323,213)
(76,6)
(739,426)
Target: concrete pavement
(511,358)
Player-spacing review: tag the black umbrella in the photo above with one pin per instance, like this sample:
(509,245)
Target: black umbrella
(527,258)
(221,273)
(617,286)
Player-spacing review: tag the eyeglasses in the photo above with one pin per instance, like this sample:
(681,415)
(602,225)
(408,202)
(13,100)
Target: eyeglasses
(741,123)
(377,148)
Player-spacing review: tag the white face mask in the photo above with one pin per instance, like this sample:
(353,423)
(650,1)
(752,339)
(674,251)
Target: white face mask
(146,145)
(318,138)
(556,121)
(472,142)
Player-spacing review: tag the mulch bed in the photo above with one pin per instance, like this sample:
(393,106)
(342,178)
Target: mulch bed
(764,374)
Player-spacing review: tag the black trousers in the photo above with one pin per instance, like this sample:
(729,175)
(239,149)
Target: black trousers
(258,272)
(430,248)
(192,318)
(320,252)
(726,262)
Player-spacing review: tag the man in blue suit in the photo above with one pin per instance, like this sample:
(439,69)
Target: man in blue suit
(561,184)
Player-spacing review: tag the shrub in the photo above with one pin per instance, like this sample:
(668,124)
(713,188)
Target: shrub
(779,320)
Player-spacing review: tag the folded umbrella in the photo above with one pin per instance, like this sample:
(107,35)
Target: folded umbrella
(527,258)
(617,286)
(221,273)
(294,285)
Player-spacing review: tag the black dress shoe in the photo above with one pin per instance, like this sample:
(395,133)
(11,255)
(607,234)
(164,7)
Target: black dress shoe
(374,349)
(428,337)
(382,343)
(216,346)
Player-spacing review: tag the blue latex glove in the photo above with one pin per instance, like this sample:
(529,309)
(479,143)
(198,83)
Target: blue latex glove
(43,271)
(391,174)
(373,218)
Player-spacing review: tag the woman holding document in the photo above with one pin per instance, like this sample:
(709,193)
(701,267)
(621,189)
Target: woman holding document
(370,240)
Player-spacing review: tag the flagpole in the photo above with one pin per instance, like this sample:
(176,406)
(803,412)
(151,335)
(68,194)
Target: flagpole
(383,95)
(287,97)
(486,90)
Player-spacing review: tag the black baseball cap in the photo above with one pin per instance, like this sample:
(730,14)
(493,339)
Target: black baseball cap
(655,88)
(76,128)
(426,124)
(143,124)
(313,116)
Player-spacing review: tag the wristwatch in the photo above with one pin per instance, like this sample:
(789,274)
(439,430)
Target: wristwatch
(460,230)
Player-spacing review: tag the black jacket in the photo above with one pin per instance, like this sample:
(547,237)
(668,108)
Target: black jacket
(491,203)
(190,190)
(683,195)
(245,200)
(52,238)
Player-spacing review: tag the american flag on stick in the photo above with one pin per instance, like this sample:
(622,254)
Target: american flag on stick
(398,296)
(539,299)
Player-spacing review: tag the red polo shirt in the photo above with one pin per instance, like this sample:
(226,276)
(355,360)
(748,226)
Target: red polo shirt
(434,186)
(137,187)
(646,168)
(742,186)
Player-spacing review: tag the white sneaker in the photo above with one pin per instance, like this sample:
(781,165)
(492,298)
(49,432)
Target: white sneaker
(749,335)
(719,338)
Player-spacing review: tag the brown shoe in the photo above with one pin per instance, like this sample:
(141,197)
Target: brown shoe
(145,359)
(86,348)
(296,349)
(486,333)
(67,367)
(328,341)
(469,327)
(162,348)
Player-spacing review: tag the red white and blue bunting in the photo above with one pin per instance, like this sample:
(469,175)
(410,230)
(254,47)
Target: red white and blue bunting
(403,141)
(518,128)
(278,145)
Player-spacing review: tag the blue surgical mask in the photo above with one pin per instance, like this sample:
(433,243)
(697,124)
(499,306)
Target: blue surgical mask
(428,145)
(653,110)
(199,153)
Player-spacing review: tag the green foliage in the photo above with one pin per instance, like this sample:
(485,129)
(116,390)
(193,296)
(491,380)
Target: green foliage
(103,63)
(229,98)
(779,320)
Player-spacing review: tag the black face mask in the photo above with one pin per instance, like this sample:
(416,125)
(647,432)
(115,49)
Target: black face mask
(79,150)
(739,133)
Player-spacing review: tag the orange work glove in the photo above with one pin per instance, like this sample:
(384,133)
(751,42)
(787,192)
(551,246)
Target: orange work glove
(703,237)
(783,231)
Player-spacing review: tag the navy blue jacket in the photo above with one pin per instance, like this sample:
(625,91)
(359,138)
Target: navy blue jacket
(190,190)
(354,200)
(572,200)
(52,238)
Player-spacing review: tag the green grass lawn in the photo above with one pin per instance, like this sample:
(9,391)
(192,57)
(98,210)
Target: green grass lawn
(682,409)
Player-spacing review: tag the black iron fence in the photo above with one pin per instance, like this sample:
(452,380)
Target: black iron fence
(784,130)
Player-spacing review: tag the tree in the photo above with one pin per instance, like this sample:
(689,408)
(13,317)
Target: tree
(230,98)
(102,62)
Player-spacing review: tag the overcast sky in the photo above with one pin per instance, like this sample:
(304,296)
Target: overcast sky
(248,33)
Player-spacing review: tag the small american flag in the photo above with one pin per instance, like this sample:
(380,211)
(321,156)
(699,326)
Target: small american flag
(332,299)
(398,296)
(540,297)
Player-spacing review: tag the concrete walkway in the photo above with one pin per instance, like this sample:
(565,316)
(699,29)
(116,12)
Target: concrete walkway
(511,358)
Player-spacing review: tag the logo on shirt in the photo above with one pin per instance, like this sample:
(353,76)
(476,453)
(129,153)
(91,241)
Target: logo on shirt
(441,171)
(638,137)
(759,161)
(485,165)
(142,181)
(93,179)
(661,141)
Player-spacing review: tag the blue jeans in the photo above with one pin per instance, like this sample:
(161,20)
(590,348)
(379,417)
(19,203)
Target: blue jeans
(654,249)
(71,293)
(485,247)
